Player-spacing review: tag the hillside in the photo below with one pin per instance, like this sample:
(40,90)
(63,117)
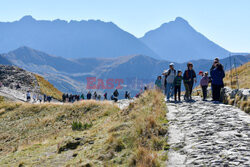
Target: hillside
(179,42)
(16,82)
(86,133)
(70,75)
(241,74)
(73,39)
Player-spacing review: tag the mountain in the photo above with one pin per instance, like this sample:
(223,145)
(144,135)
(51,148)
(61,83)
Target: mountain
(71,75)
(16,82)
(178,41)
(4,61)
(74,39)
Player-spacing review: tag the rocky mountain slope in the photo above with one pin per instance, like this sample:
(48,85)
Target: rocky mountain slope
(178,41)
(15,82)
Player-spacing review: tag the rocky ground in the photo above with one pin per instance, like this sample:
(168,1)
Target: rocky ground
(208,134)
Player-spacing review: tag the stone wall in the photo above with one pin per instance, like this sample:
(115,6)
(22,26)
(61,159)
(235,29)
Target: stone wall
(237,97)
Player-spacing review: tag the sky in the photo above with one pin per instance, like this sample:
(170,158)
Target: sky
(225,22)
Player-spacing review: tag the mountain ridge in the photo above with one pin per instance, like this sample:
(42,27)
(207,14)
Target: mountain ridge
(178,40)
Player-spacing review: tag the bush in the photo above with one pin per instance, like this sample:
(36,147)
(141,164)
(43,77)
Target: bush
(77,125)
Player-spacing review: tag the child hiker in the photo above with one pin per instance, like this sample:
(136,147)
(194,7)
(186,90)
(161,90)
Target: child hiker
(204,84)
(177,85)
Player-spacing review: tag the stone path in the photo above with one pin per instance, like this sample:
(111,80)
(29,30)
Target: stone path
(208,134)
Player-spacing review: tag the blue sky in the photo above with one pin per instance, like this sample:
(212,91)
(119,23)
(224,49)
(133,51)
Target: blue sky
(226,22)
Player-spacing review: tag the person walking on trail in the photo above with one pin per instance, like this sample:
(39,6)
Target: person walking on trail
(189,77)
(217,75)
(115,95)
(158,85)
(95,95)
(105,96)
(204,84)
(34,98)
(177,85)
(169,80)
(82,96)
(89,95)
(28,96)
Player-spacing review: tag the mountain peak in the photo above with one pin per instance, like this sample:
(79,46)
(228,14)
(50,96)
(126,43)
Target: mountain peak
(27,18)
(180,20)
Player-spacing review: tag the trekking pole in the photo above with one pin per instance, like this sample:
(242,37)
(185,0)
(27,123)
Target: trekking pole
(237,81)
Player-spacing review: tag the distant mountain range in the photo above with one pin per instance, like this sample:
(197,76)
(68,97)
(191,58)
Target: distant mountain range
(70,75)
(175,41)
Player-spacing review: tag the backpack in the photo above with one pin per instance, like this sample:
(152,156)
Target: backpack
(166,76)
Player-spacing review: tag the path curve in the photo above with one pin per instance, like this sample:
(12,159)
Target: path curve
(208,134)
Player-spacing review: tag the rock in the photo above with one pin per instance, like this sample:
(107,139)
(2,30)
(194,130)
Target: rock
(69,144)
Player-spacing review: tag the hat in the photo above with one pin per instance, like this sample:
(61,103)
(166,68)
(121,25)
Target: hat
(179,71)
(171,64)
(201,72)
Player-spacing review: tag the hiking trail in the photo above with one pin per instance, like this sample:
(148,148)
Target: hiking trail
(203,133)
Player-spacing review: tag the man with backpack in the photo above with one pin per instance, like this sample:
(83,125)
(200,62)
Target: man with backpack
(169,80)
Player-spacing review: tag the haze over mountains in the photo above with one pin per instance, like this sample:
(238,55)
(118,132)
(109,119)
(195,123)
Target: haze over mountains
(179,41)
(174,41)
(71,75)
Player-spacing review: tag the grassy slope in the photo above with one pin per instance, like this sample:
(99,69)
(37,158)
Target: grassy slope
(47,88)
(32,134)
(243,77)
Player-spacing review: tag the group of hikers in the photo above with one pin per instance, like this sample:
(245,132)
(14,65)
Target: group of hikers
(171,80)
(72,98)
(37,97)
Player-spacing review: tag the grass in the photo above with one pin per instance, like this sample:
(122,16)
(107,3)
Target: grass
(242,74)
(47,88)
(32,134)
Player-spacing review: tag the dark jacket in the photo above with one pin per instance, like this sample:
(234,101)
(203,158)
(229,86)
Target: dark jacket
(189,74)
(177,80)
(217,76)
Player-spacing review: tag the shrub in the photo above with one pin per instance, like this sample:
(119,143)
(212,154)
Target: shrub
(77,125)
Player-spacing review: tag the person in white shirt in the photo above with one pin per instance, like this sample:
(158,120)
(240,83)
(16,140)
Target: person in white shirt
(169,80)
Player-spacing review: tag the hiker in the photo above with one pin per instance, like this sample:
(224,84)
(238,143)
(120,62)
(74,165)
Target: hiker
(105,96)
(169,80)
(204,84)
(28,96)
(99,97)
(115,95)
(89,95)
(34,97)
(158,85)
(126,95)
(189,77)
(95,95)
(40,98)
(67,97)
(18,86)
(64,98)
(82,96)
(44,98)
(177,85)
(217,75)
(49,98)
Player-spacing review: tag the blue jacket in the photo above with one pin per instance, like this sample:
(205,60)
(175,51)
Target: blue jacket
(217,76)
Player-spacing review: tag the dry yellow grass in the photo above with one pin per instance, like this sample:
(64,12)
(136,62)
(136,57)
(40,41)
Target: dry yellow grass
(47,88)
(243,73)
(33,134)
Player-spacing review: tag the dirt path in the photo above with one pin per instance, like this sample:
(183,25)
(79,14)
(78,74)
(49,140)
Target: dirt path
(208,134)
